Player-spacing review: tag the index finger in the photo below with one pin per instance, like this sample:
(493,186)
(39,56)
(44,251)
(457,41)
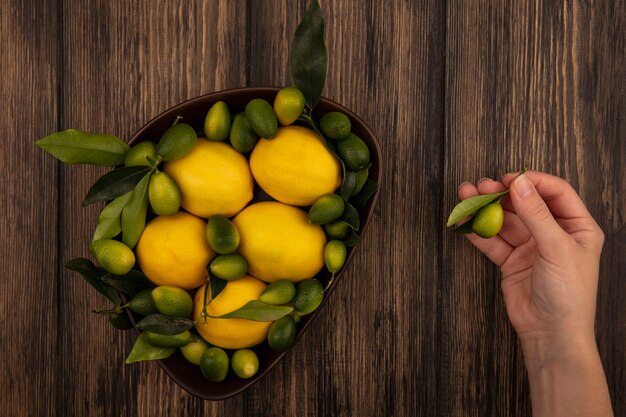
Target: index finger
(562,200)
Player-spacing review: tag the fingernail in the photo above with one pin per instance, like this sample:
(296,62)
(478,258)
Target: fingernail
(482,179)
(463,184)
(523,186)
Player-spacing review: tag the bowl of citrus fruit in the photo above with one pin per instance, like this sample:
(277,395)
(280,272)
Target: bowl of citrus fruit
(226,222)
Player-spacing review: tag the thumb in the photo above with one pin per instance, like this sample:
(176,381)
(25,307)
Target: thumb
(534,212)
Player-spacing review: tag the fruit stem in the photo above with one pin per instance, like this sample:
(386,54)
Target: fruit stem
(176,120)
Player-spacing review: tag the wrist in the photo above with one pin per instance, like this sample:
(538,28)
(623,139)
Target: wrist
(549,351)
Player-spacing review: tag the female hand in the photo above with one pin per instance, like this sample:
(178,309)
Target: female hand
(548,251)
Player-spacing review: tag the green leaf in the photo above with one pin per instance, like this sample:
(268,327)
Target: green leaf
(471,205)
(361,178)
(360,200)
(109,224)
(350,216)
(143,351)
(131,283)
(134,214)
(348,184)
(158,323)
(93,275)
(352,240)
(217,285)
(258,311)
(464,228)
(76,147)
(308,58)
(115,183)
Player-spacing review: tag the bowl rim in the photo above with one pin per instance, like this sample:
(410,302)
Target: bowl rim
(370,207)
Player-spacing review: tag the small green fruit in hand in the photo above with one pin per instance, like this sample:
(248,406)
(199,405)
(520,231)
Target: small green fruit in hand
(172,301)
(326,209)
(245,363)
(335,125)
(142,303)
(217,122)
(114,256)
(164,194)
(176,142)
(138,155)
(488,221)
(282,333)
(214,364)
(168,341)
(262,118)
(193,350)
(278,292)
(222,235)
(229,267)
(242,137)
(288,105)
(354,152)
(309,295)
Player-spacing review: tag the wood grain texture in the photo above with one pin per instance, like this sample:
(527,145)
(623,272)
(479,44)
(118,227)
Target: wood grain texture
(454,90)
(529,84)
(29,203)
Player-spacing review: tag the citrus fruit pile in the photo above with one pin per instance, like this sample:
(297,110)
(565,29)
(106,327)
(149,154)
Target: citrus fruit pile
(218,235)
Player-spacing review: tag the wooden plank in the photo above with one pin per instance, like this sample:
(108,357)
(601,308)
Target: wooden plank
(527,83)
(598,109)
(125,62)
(28,180)
(371,351)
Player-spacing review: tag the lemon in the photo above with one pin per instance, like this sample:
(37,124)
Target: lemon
(193,350)
(114,256)
(278,242)
(335,125)
(214,364)
(326,209)
(213,179)
(142,303)
(138,155)
(163,194)
(488,221)
(231,333)
(261,117)
(176,142)
(173,251)
(172,301)
(168,341)
(282,334)
(309,296)
(245,363)
(278,292)
(229,267)
(217,122)
(288,105)
(295,167)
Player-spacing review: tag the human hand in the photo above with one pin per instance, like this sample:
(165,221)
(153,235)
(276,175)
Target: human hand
(548,251)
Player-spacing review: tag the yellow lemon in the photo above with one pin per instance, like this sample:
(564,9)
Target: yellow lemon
(173,250)
(278,242)
(295,167)
(213,179)
(231,333)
